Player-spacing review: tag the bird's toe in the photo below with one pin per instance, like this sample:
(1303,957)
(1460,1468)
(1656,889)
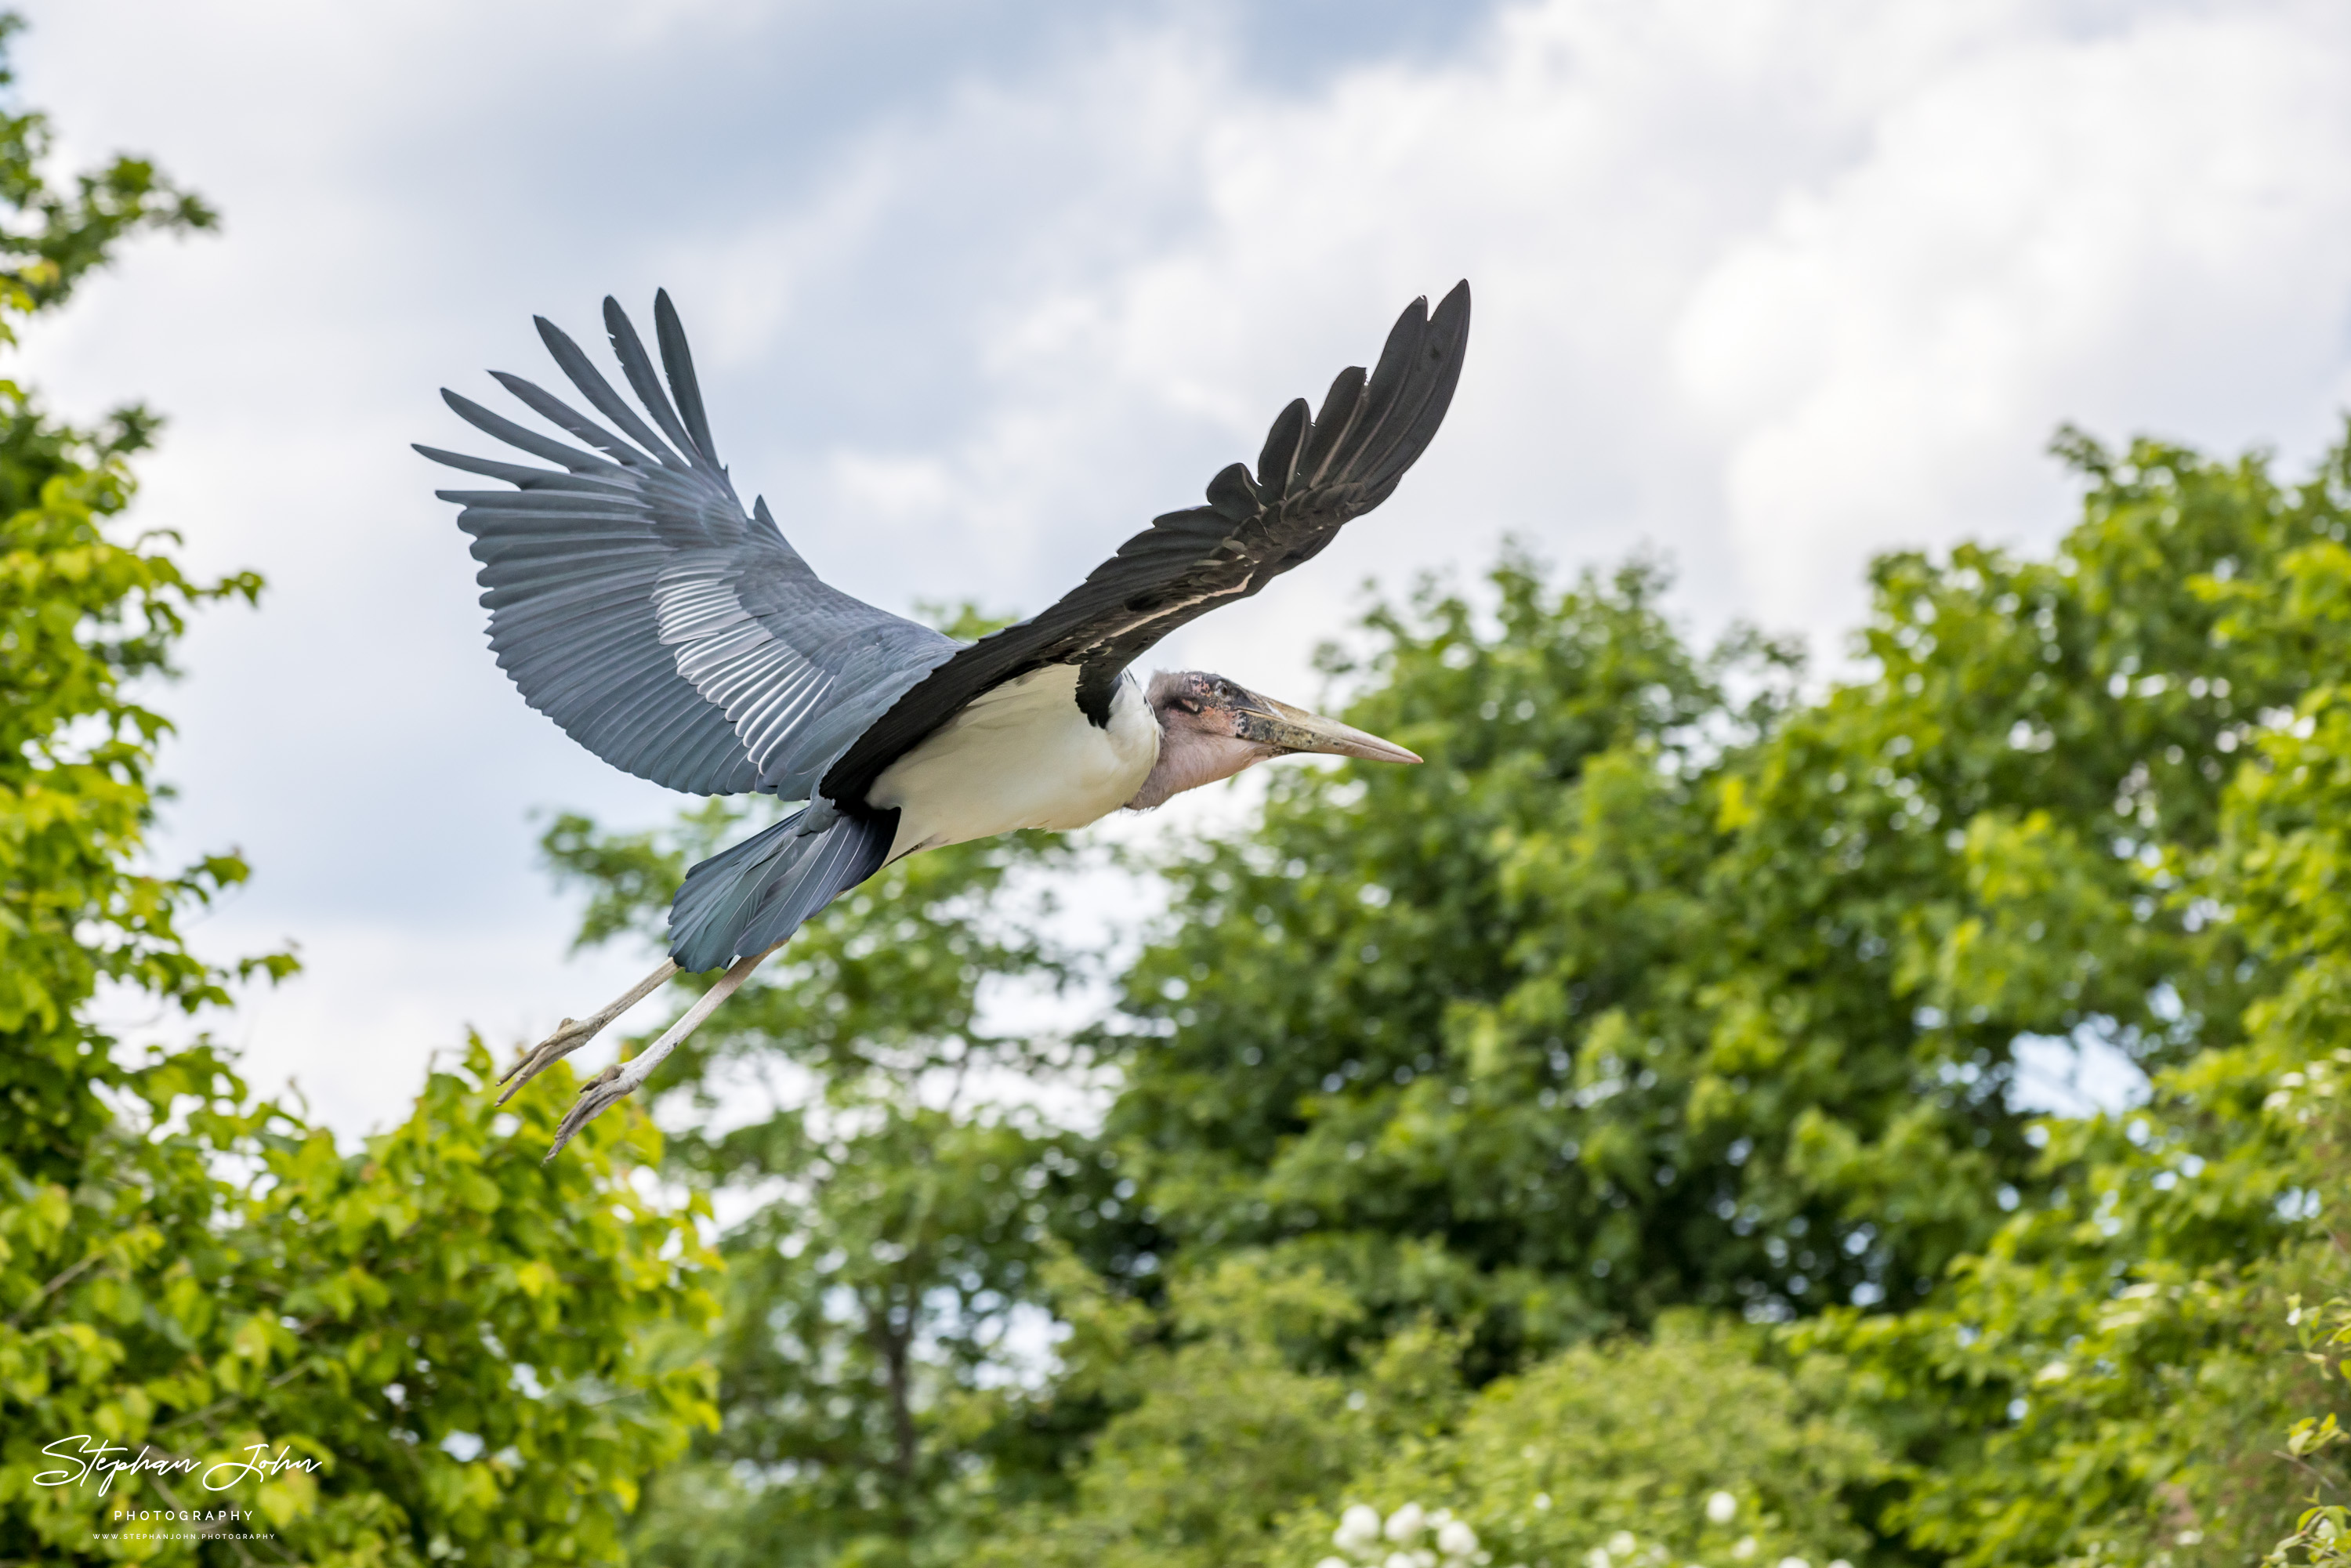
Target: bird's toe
(599,1095)
(568,1036)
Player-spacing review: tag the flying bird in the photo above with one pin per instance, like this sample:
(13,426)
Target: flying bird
(635,602)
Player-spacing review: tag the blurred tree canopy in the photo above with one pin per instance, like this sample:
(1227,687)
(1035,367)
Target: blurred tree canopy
(440,1337)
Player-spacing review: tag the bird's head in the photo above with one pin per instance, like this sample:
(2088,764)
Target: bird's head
(1211,728)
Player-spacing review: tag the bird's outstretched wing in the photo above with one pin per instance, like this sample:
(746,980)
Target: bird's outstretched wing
(635,604)
(1311,477)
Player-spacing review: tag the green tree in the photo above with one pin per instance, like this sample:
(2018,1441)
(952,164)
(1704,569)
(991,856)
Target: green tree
(1687,1447)
(1324,1064)
(81,617)
(1638,996)
(2113,1378)
(891,1215)
(438,1335)
(1216,1439)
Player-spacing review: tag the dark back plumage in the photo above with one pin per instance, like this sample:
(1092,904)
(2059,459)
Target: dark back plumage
(1313,476)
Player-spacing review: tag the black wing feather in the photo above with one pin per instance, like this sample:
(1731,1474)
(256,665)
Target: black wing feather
(1276,463)
(1341,405)
(1312,478)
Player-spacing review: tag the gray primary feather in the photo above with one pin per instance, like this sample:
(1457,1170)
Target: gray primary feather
(634,603)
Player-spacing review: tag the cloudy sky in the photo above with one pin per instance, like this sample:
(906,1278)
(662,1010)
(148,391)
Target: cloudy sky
(978,288)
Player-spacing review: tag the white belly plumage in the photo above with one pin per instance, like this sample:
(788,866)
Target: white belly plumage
(1022,755)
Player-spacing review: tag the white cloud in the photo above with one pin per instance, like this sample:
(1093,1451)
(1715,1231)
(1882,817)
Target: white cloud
(1774,284)
(2150,229)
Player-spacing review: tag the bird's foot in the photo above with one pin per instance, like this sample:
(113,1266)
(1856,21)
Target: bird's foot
(617,1082)
(596,1095)
(573,1033)
(568,1036)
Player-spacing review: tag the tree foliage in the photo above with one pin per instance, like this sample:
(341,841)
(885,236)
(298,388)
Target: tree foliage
(1687,1443)
(2135,1331)
(438,1338)
(1666,1032)
(1636,995)
(891,1227)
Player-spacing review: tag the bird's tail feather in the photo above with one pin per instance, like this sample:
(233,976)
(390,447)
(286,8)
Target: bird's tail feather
(745,899)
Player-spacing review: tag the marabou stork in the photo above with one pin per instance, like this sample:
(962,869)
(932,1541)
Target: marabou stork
(632,602)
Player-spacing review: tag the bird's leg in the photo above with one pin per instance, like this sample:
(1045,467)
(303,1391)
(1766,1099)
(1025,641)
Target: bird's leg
(620,1080)
(573,1033)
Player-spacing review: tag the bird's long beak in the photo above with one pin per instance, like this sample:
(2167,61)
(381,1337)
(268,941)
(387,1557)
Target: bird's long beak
(1271,723)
